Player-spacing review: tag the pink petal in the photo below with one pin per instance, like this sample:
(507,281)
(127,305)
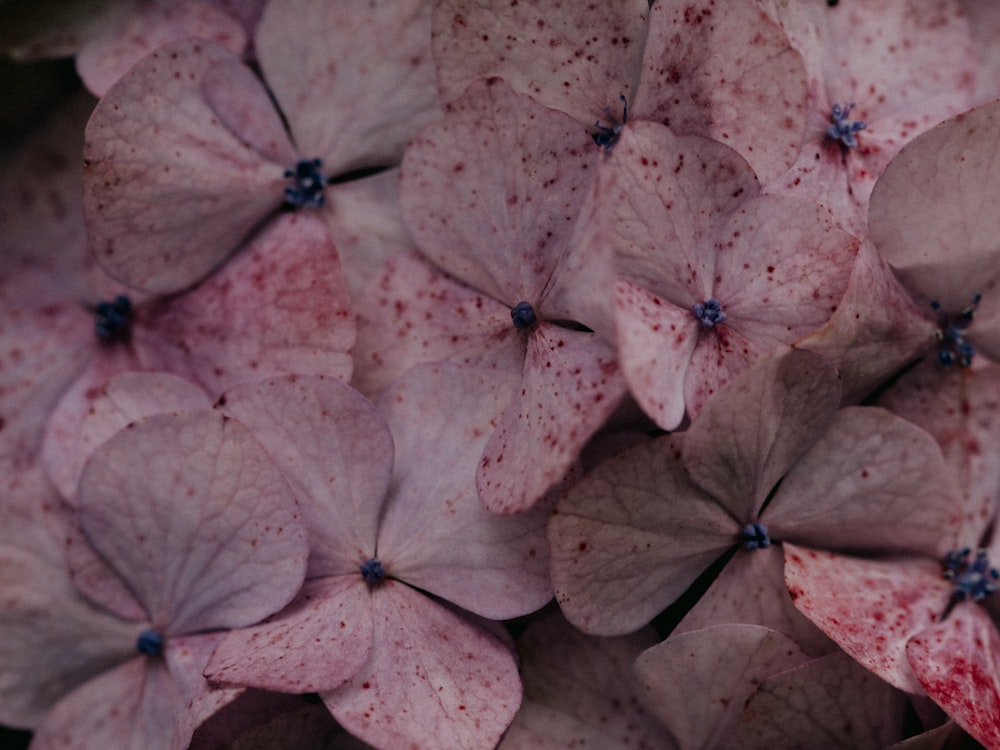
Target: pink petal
(169,192)
(187,658)
(51,639)
(433,678)
(318,642)
(97,407)
(755,429)
(956,661)
(435,533)
(713,83)
(628,539)
(366,223)
(491,194)
(110,53)
(721,665)
(789,276)
(416,314)
(915,71)
(876,329)
(750,590)
(571,57)
(192,513)
(871,608)
(577,691)
(655,364)
(244,107)
(984,23)
(930,218)
(133,706)
(355,79)
(570,386)
(335,451)
(664,198)
(830,697)
(959,409)
(279,307)
(872,482)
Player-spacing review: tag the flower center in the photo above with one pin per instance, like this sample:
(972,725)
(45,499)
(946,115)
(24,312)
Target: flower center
(523,315)
(755,536)
(952,345)
(607,135)
(114,320)
(372,571)
(709,312)
(149,642)
(843,130)
(974,579)
(307,184)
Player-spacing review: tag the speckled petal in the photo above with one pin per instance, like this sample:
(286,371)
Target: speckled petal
(656,340)
(958,664)
(318,642)
(871,608)
(571,384)
(492,193)
(433,679)
(279,307)
(577,58)
(109,54)
(707,71)
(413,313)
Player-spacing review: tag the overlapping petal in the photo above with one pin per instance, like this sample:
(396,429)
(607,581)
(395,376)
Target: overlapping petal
(433,678)
(320,60)
(574,58)
(190,511)
(161,163)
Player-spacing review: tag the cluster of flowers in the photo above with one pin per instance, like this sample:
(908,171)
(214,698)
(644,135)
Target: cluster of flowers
(369,327)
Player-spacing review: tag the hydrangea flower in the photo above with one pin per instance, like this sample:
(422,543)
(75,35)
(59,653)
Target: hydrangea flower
(394,666)
(202,533)
(880,73)
(629,538)
(280,306)
(187,156)
(492,195)
(710,274)
(687,64)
